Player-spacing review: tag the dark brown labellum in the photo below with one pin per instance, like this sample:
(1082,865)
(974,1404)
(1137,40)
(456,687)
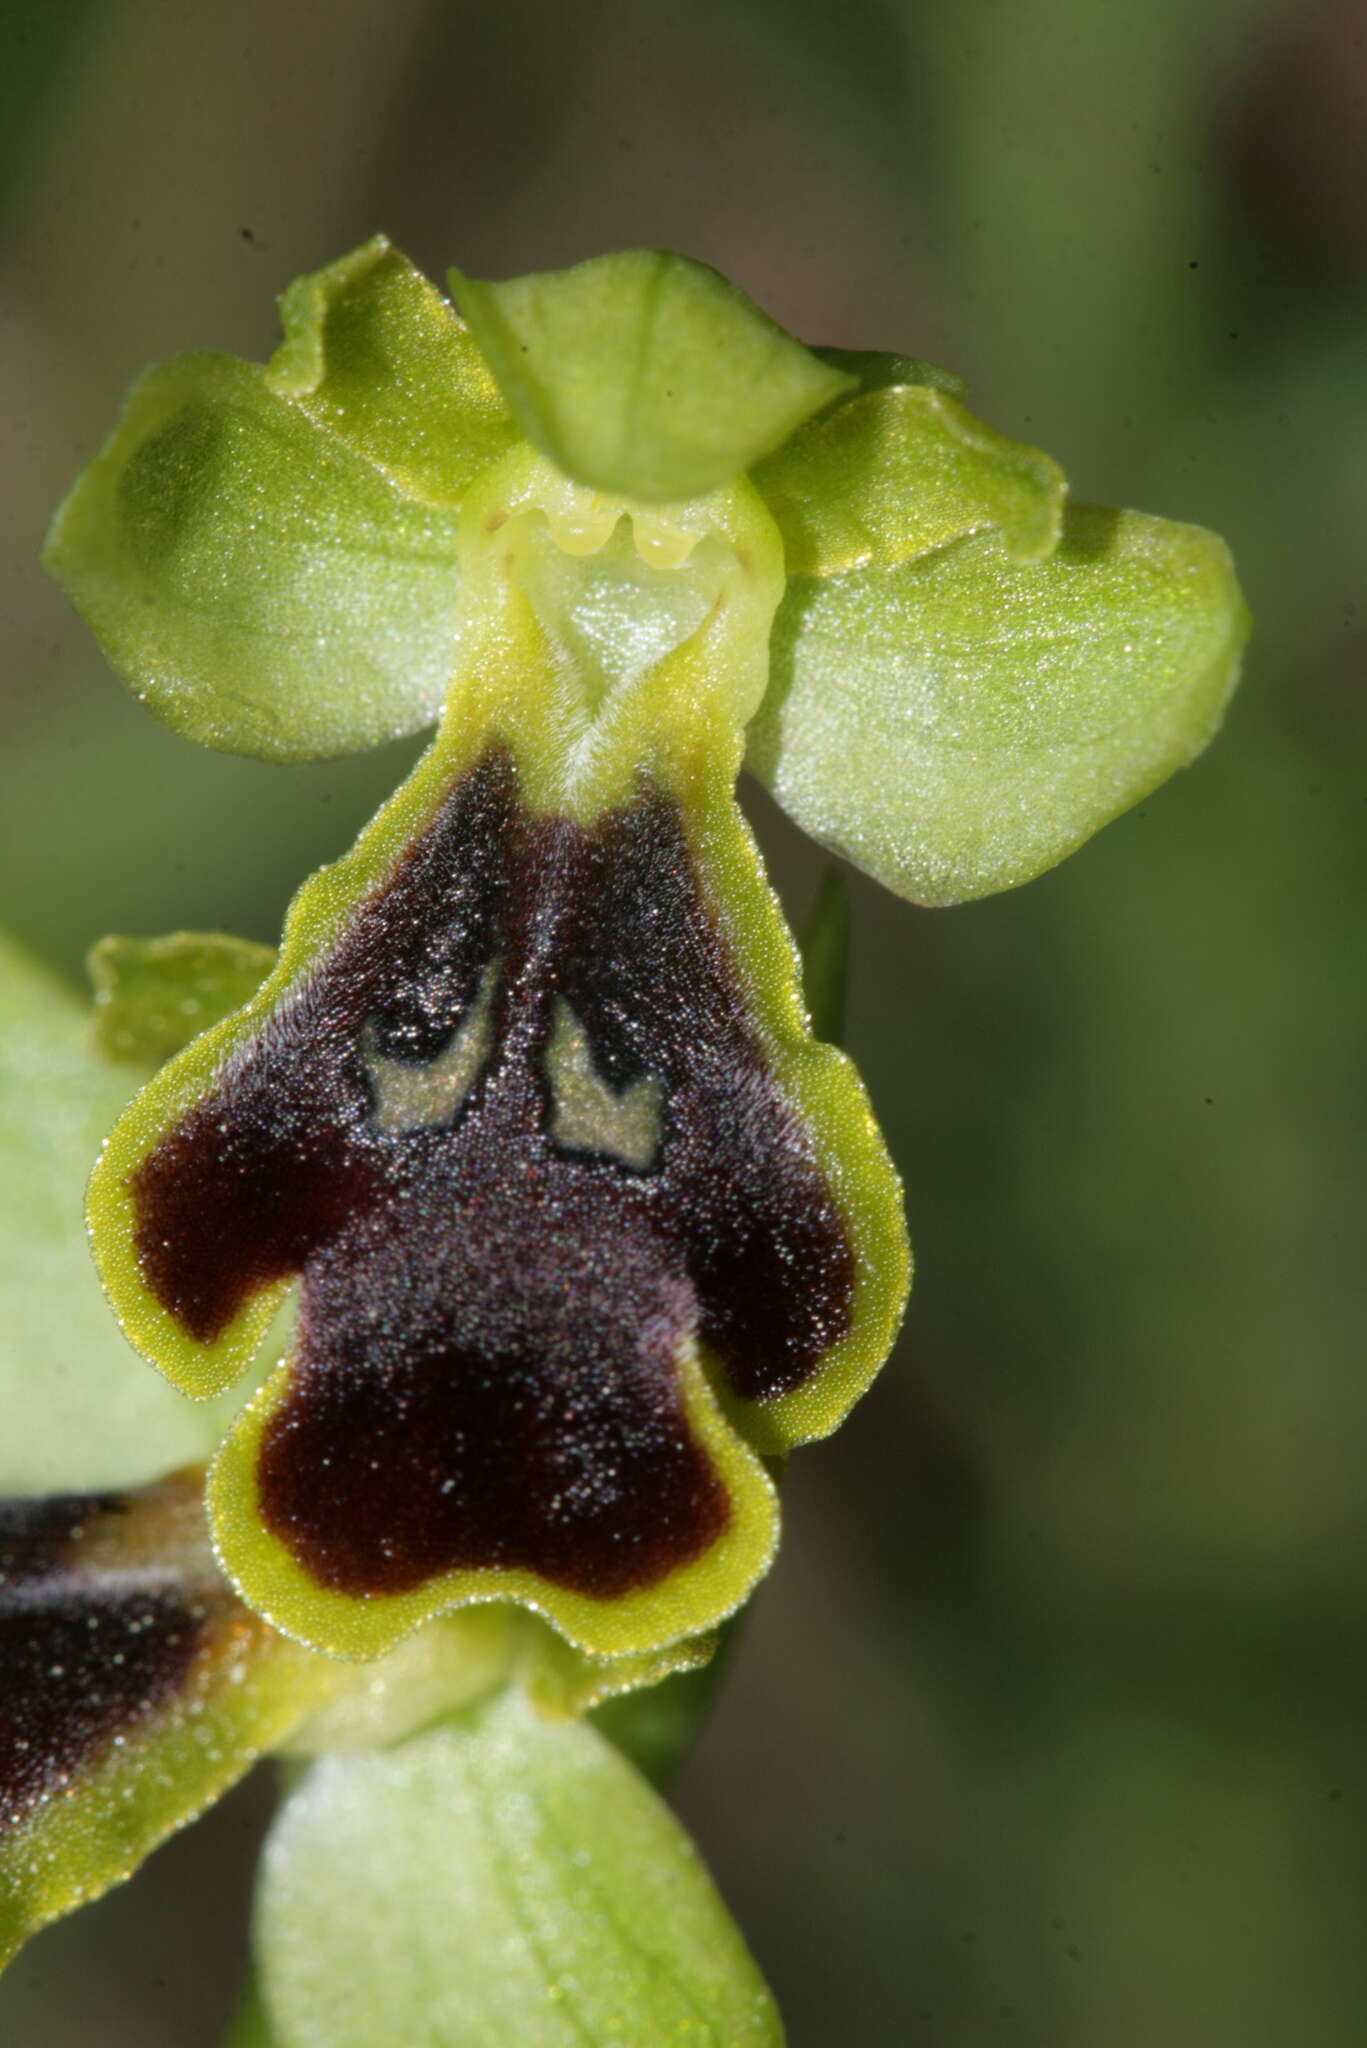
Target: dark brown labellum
(519,1135)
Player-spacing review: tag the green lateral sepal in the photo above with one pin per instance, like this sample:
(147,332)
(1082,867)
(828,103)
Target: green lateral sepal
(645,373)
(152,996)
(134,1689)
(898,471)
(585,1221)
(260,585)
(267,556)
(536,1889)
(960,723)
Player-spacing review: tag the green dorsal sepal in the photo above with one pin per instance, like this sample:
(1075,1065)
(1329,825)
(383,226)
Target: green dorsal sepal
(644,372)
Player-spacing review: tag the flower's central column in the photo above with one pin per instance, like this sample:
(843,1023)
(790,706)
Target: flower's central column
(633,637)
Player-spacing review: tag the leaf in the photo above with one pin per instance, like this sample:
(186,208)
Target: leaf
(79,1408)
(374,353)
(500,1879)
(152,996)
(958,724)
(899,471)
(645,373)
(260,585)
(134,1689)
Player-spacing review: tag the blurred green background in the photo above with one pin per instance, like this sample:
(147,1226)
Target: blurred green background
(1049,1727)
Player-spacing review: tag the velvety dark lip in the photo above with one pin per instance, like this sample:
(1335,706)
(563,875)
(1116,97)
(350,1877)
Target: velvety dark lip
(488,1364)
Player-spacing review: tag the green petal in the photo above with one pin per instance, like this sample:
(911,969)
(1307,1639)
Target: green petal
(959,724)
(501,1879)
(262,587)
(899,471)
(80,1408)
(152,996)
(645,373)
(374,353)
(874,369)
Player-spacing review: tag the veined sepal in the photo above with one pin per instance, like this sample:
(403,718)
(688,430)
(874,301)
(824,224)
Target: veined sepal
(645,372)
(267,554)
(958,722)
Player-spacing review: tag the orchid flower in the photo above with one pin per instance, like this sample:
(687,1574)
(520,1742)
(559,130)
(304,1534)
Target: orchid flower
(520,1168)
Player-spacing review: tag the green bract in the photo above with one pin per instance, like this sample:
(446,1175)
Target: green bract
(503,1879)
